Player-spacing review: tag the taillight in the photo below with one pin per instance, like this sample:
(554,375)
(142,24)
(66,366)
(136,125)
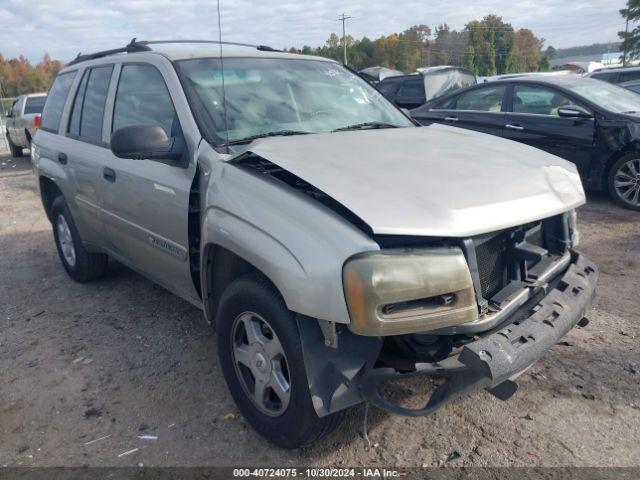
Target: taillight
(37,121)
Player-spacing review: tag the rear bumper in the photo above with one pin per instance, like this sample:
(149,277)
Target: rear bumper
(495,359)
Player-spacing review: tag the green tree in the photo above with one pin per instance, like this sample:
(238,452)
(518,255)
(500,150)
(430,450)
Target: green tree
(631,39)
(490,46)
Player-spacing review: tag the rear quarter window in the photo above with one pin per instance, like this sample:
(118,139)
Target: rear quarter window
(56,100)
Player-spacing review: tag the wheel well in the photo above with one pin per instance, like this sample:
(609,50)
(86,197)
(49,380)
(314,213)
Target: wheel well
(222,267)
(49,191)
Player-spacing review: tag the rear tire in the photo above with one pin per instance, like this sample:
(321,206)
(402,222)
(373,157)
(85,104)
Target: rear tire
(80,264)
(624,181)
(14,149)
(252,302)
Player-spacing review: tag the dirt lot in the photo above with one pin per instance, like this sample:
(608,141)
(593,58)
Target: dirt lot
(86,369)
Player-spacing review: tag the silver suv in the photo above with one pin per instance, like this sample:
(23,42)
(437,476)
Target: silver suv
(23,120)
(334,245)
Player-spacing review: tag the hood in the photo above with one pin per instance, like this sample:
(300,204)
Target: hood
(429,181)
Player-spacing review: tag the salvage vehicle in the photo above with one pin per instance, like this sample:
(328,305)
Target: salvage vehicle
(594,124)
(22,121)
(333,244)
(411,91)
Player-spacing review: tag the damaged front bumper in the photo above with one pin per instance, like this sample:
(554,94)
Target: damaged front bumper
(492,361)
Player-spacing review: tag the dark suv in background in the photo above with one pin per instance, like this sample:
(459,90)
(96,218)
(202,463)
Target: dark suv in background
(411,91)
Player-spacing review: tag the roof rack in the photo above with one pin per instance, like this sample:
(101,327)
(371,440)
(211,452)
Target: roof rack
(132,47)
(143,46)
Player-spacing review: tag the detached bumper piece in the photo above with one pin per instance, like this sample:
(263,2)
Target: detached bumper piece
(493,360)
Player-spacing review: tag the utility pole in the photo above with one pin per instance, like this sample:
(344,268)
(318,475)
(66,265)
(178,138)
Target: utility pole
(624,53)
(344,18)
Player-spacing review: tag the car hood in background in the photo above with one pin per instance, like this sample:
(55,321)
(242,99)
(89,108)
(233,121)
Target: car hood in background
(429,181)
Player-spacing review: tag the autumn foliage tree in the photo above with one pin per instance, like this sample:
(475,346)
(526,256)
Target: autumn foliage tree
(18,76)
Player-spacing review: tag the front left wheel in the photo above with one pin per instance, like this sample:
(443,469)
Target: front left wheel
(261,356)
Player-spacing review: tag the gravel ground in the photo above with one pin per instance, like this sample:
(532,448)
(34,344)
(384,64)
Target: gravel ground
(87,369)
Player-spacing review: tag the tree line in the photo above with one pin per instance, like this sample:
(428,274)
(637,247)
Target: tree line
(488,46)
(18,75)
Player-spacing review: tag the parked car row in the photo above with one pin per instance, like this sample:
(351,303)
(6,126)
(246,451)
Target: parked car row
(22,121)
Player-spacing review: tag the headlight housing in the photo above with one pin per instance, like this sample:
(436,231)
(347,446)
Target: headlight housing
(394,292)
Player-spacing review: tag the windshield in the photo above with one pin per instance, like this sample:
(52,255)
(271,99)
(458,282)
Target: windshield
(610,97)
(267,95)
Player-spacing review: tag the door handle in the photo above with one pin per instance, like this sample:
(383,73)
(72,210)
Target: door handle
(517,128)
(109,174)
(450,119)
(62,158)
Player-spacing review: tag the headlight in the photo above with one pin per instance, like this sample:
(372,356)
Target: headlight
(574,235)
(395,292)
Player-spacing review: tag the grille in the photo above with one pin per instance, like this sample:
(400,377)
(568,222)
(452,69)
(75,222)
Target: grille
(492,264)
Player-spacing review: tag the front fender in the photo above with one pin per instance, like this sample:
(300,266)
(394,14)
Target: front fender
(296,242)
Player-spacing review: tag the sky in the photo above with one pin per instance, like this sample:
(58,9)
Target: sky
(65,27)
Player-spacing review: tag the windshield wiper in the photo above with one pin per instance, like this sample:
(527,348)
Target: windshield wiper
(362,126)
(277,133)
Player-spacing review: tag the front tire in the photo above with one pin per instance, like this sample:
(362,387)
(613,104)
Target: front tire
(80,264)
(624,181)
(261,356)
(14,149)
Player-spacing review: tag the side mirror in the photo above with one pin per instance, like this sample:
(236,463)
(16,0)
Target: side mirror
(139,142)
(573,111)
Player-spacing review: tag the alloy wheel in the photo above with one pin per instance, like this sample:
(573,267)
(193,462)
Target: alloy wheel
(66,241)
(260,364)
(626,182)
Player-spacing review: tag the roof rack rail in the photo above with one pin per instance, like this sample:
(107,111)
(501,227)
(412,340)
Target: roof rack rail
(144,46)
(216,42)
(131,47)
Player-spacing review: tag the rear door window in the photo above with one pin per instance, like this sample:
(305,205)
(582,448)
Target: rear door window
(34,105)
(95,98)
(76,110)
(143,98)
(56,100)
